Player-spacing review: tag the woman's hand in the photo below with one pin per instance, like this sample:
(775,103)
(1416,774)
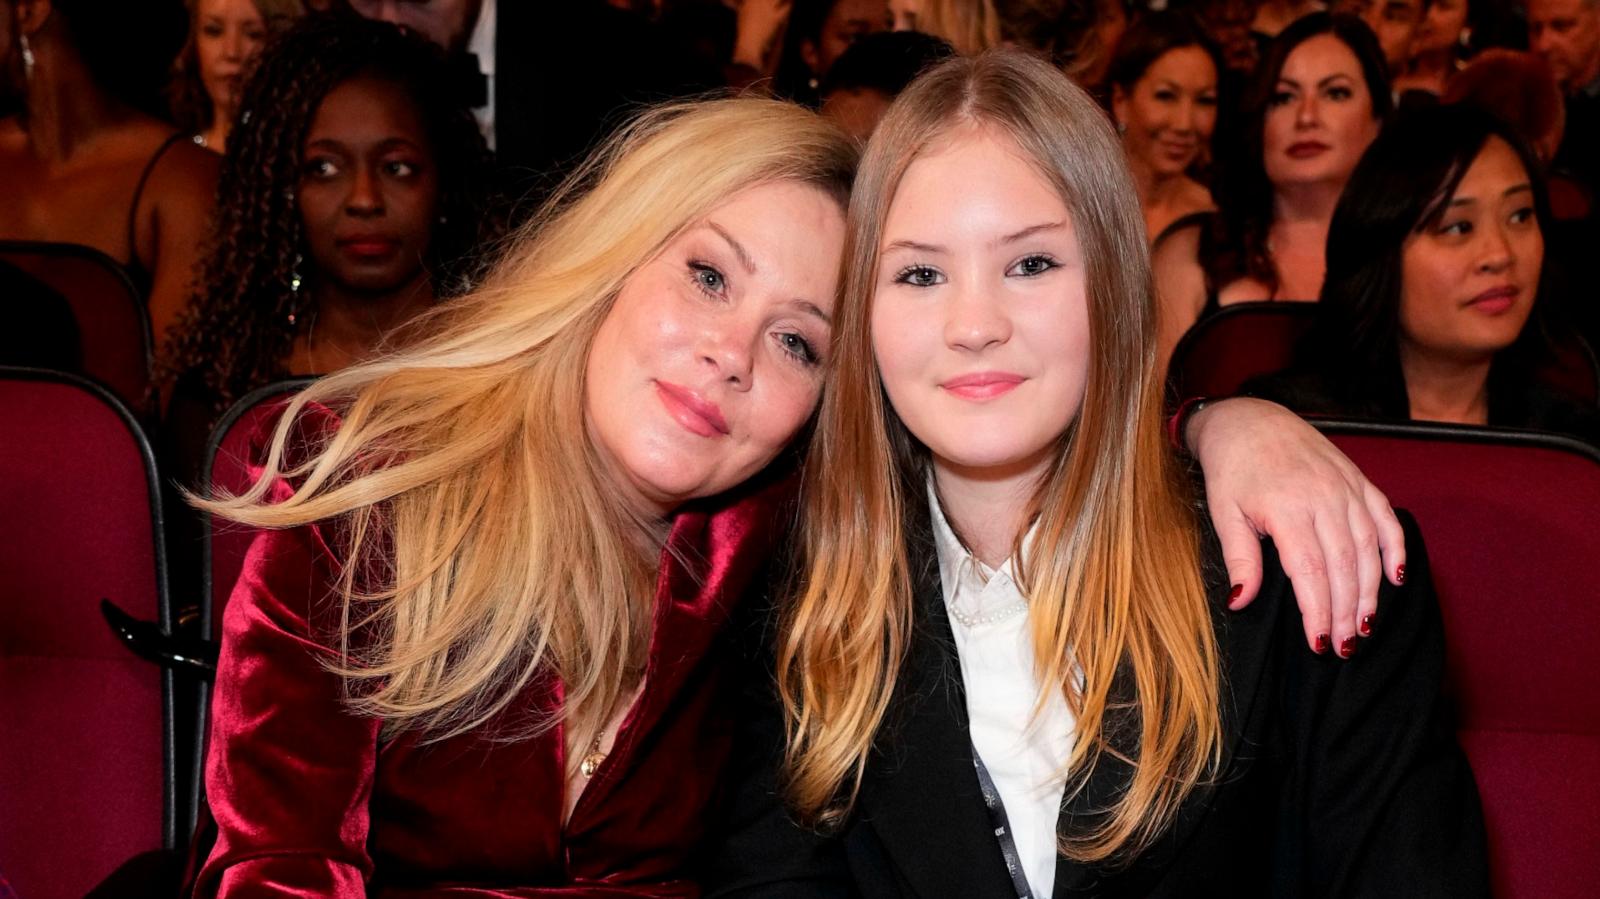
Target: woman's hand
(1269,473)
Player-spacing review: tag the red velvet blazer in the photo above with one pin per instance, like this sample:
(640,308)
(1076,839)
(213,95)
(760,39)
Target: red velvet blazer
(309,802)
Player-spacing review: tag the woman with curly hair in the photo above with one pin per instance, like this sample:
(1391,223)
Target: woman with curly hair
(352,197)
(225,38)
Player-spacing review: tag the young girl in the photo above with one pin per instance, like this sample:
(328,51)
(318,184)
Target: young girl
(1006,671)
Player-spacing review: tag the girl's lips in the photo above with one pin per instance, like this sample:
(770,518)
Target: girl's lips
(697,415)
(983,385)
(1494,300)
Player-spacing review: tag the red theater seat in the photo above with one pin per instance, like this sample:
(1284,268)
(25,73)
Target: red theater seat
(237,442)
(113,323)
(1512,524)
(85,756)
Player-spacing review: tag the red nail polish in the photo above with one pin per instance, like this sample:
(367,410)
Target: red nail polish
(1400,574)
(1235,592)
(1366,625)
(1347,647)
(1324,643)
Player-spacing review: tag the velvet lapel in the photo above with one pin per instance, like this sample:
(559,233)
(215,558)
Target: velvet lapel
(921,794)
(1243,643)
(710,560)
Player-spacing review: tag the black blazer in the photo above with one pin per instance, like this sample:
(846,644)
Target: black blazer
(1340,778)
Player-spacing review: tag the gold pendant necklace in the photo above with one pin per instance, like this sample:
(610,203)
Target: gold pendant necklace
(591,762)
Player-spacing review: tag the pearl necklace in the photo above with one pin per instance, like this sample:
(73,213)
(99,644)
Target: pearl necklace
(992,617)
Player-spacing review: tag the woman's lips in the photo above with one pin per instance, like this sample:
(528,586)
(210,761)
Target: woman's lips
(369,246)
(698,416)
(983,385)
(1495,300)
(1306,149)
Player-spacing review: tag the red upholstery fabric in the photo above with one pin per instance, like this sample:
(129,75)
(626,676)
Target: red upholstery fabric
(113,323)
(1236,343)
(1513,530)
(82,757)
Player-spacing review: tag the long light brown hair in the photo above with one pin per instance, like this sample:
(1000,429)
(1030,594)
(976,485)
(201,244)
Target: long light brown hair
(462,471)
(1113,575)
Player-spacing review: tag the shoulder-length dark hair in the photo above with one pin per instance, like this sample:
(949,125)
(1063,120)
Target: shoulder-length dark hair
(236,331)
(1403,185)
(1153,36)
(1244,193)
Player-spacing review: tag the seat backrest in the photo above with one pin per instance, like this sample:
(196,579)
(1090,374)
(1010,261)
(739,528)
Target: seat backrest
(86,756)
(236,443)
(1236,343)
(1512,525)
(113,321)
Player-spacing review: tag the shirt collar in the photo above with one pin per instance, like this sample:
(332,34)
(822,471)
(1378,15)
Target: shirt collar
(482,42)
(956,562)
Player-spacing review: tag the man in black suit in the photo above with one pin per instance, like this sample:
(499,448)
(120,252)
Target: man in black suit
(549,80)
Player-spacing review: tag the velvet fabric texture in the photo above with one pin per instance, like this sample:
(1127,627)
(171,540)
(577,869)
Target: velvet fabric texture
(309,802)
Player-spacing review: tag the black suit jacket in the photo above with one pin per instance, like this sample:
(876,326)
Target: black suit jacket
(1340,778)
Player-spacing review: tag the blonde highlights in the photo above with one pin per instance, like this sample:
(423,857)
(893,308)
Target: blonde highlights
(1114,573)
(483,548)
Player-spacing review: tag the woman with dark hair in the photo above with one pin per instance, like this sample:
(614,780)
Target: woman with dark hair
(1437,49)
(82,164)
(818,32)
(353,195)
(1431,309)
(1163,80)
(1318,99)
(225,36)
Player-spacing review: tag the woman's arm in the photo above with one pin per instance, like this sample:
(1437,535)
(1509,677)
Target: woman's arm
(289,771)
(1268,473)
(172,236)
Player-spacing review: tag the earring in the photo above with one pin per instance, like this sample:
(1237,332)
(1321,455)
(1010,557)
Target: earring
(27,57)
(1122,129)
(295,281)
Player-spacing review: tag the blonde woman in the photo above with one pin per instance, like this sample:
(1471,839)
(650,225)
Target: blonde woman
(1007,671)
(480,644)
(970,26)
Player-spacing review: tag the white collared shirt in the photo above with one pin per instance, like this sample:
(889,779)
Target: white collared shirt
(482,44)
(1025,757)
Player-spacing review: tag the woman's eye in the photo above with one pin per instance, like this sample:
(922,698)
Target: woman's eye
(1340,93)
(1456,229)
(211,30)
(1281,98)
(797,346)
(1523,215)
(707,278)
(919,276)
(1206,99)
(1165,95)
(401,169)
(1031,266)
(321,167)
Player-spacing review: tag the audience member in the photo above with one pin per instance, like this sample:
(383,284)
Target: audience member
(970,26)
(1228,23)
(1394,22)
(546,81)
(1437,49)
(1566,34)
(904,14)
(1317,101)
(352,196)
(224,38)
(872,73)
(1517,88)
(1273,16)
(1433,304)
(80,165)
(819,32)
(1163,80)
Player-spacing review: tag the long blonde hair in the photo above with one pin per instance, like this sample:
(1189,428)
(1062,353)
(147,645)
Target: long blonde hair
(1114,573)
(971,26)
(462,476)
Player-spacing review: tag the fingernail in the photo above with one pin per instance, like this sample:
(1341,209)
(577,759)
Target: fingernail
(1347,647)
(1400,574)
(1366,626)
(1235,593)
(1324,643)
